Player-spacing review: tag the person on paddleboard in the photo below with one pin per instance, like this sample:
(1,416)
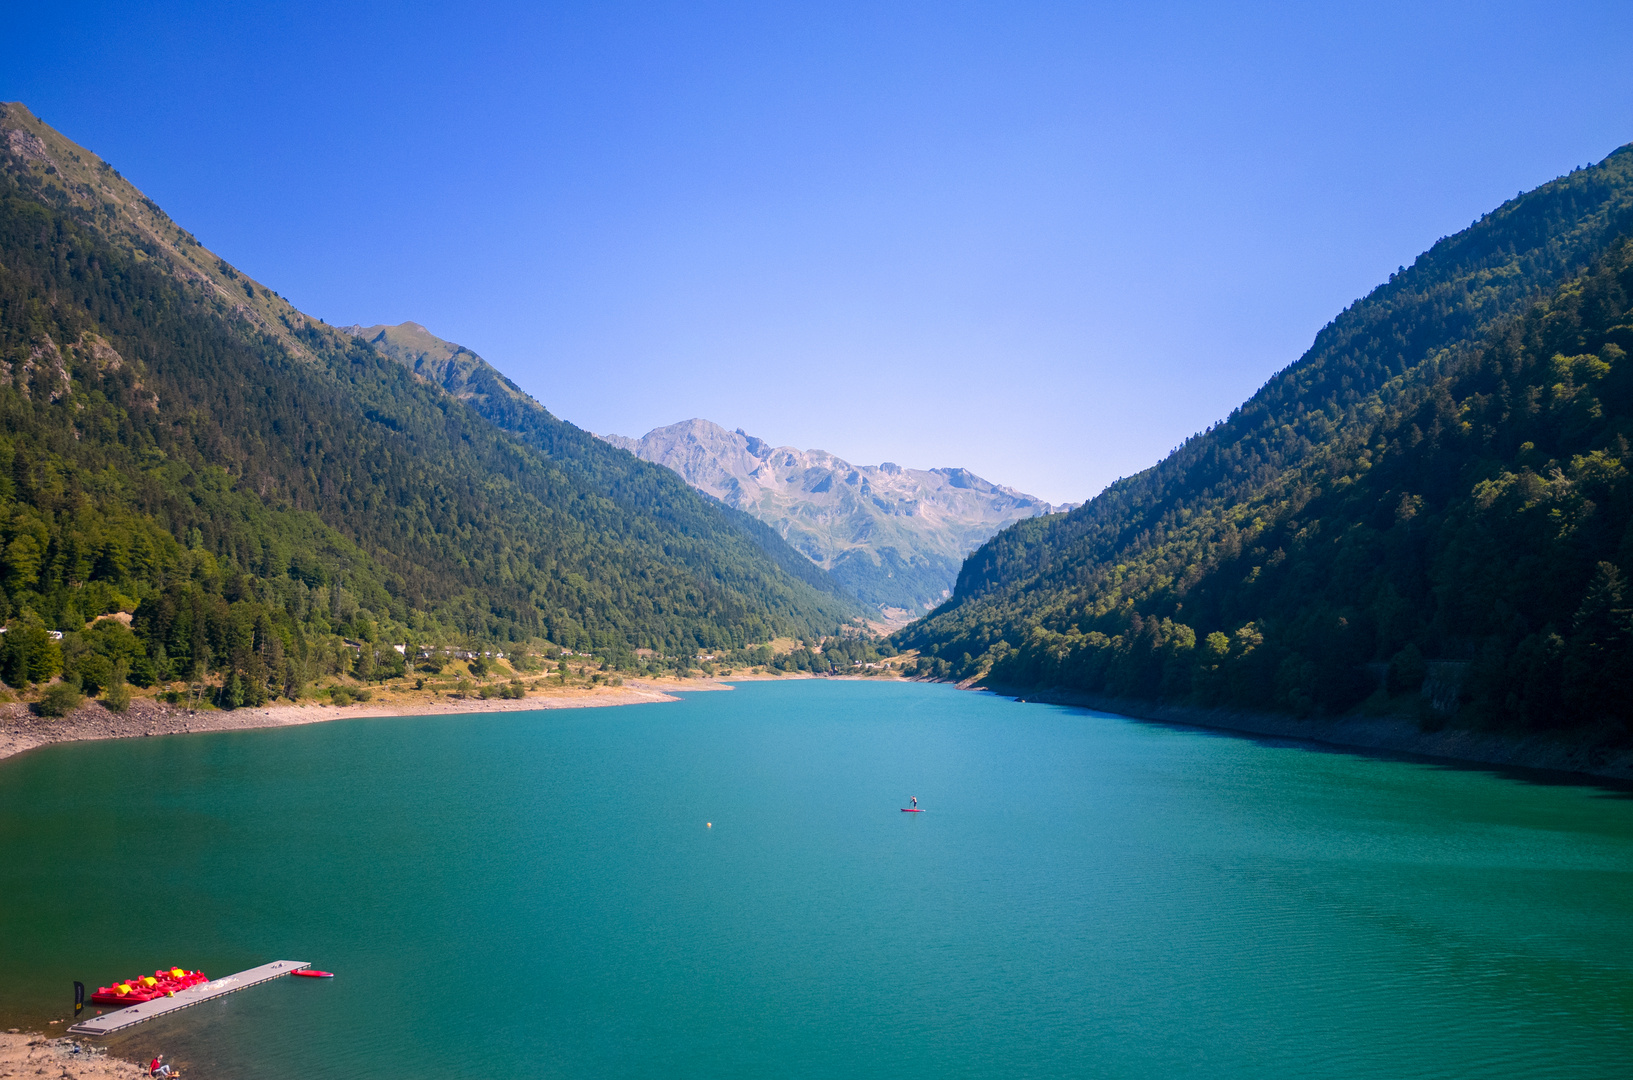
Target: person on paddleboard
(915,799)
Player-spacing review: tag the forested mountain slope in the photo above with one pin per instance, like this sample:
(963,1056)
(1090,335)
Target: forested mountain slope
(177,439)
(479,384)
(453,367)
(1440,478)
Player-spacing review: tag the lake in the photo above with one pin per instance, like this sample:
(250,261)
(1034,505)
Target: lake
(536,895)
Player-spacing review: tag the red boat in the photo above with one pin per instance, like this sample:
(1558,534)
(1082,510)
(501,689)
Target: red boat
(312,973)
(162,983)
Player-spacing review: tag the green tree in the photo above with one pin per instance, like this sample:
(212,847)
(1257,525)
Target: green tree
(232,692)
(28,654)
(117,694)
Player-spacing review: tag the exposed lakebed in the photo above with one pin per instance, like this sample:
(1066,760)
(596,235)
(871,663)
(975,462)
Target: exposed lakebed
(536,894)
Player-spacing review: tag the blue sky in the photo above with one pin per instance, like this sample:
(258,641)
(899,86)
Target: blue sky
(1043,242)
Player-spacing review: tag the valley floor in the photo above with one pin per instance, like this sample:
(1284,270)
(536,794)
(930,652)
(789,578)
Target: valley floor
(1599,754)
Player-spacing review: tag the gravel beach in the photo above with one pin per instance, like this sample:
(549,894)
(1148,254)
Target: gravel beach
(21,729)
(34,1056)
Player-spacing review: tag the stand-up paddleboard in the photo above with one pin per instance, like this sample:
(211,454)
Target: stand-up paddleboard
(905,810)
(311,973)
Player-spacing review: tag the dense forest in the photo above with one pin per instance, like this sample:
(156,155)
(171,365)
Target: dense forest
(257,492)
(1432,505)
(471,379)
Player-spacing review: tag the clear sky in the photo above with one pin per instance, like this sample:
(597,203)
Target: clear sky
(1043,242)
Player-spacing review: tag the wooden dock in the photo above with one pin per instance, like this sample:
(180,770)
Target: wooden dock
(131,1015)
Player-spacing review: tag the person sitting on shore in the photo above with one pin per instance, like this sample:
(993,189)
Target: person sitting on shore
(157,1067)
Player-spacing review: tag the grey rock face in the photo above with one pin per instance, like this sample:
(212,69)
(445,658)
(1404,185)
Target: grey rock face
(894,536)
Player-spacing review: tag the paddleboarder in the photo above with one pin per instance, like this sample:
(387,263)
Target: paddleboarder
(915,799)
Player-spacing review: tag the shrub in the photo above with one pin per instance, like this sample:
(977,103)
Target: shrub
(60,699)
(363,695)
(117,695)
(340,695)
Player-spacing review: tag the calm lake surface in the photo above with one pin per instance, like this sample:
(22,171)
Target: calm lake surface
(536,895)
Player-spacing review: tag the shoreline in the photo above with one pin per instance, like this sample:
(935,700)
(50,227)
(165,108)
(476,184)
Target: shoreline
(1587,755)
(34,1054)
(21,730)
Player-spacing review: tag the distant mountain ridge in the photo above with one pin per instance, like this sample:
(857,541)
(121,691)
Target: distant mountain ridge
(896,537)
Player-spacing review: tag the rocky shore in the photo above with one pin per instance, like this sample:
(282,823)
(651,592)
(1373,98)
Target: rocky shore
(1604,754)
(33,1056)
(21,729)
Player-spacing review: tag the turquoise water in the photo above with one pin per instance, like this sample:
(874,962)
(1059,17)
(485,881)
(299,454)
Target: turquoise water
(535,894)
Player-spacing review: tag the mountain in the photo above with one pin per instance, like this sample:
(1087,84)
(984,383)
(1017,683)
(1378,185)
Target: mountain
(178,440)
(1433,497)
(468,377)
(454,368)
(895,537)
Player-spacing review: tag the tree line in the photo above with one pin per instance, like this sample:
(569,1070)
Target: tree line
(1433,503)
(161,457)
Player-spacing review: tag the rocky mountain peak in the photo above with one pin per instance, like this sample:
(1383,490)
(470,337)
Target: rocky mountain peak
(896,536)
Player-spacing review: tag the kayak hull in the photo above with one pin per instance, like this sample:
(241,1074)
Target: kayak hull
(162,983)
(310,974)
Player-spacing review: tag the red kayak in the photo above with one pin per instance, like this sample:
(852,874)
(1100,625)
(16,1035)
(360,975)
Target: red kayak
(162,983)
(311,973)
(911,810)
